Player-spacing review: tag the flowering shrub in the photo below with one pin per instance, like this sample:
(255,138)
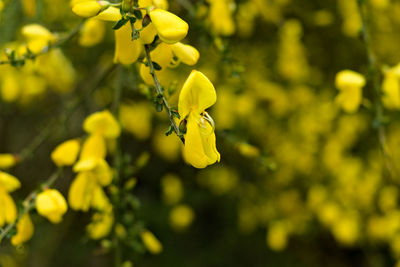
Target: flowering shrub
(199,133)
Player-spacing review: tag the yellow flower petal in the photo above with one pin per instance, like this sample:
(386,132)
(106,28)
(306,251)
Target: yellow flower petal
(197,94)
(93,148)
(51,204)
(186,53)
(24,230)
(89,9)
(126,50)
(110,14)
(66,153)
(170,28)
(151,242)
(102,123)
(81,191)
(7,161)
(8,212)
(200,149)
(9,182)
(92,32)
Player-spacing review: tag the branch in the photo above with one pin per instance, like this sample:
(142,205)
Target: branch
(160,94)
(374,74)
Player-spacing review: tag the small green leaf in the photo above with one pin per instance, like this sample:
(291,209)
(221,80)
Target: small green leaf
(137,14)
(159,107)
(120,23)
(169,131)
(156,66)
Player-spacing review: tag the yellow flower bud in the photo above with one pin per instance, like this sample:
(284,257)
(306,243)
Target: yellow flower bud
(51,204)
(7,161)
(102,123)
(170,28)
(89,8)
(66,153)
(24,230)
(152,244)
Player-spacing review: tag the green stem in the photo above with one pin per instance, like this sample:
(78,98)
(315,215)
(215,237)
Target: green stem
(375,77)
(161,94)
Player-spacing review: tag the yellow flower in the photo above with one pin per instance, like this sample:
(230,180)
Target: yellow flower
(102,123)
(181,217)
(92,32)
(101,223)
(37,37)
(136,119)
(197,94)
(151,242)
(24,230)
(127,50)
(8,211)
(350,84)
(172,189)
(66,153)
(7,161)
(51,204)
(8,182)
(93,149)
(221,17)
(170,28)
(86,192)
(88,9)
(391,88)
(81,191)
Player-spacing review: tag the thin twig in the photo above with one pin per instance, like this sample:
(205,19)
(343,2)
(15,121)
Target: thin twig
(160,94)
(374,74)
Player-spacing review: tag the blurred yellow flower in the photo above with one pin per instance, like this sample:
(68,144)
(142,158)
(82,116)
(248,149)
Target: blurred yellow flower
(350,85)
(151,242)
(7,161)
(391,88)
(66,153)
(92,32)
(51,204)
(181,217)
(172,189)
(89,8)
(24,230)
(196,95)
(101,224)
(102,123)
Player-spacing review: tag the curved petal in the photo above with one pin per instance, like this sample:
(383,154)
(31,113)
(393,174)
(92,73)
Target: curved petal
(170,28)
(197,94)
(193,152)
(126,50)
(186,53)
